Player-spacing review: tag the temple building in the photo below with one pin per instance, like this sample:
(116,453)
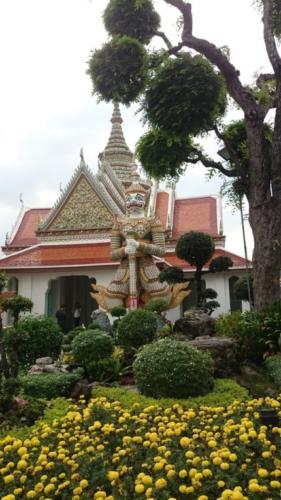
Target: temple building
(52,255)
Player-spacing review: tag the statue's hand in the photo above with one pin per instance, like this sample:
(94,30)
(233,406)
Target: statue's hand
(131,247)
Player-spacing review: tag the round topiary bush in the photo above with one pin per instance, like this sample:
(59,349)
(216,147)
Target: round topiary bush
(91,346)
(171,368)
(132,18)
(137,328)
(117,70)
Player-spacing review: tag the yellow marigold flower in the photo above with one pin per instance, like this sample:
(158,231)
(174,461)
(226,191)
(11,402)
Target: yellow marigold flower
(254,487)
(112,475)
(9,497)
(49,488)
(189,454)
(84,484)
(221,484)
(275,484)
(171,474)
(224,466)
(212,443)
(31,494)
(202,497)
(139,488)
(18,491)
(263,473)
(182,489)
(207,473)
(39,487)
(23,479)
(22,464)
(183,473)
(237,495)
(233,457)
(161,483)
(147,480)
(8,479)
(185,442)
(266,454)
(100,494)
(227,494)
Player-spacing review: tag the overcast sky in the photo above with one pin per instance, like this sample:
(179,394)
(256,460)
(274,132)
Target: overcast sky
(46,109)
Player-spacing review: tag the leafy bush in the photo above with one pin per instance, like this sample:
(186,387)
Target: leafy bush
(107,369)
(117,70)
(43,338)
(118,311)
(170,368)
(172,275)
(256,333)
(92,346)
(137,328)
(94,326)
(49,385)
(157,305)
(192,96)
(131,17)
(273,365)
(225,391)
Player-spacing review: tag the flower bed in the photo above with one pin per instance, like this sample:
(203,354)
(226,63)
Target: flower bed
(102,450)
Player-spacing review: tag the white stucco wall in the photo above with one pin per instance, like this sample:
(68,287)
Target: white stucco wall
(34,284)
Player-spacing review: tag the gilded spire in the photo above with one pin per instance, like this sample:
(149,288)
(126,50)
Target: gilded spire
(116,151)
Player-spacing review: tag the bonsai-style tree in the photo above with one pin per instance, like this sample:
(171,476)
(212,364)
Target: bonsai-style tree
(184,94)
(17,304)
(240,289)
(197,249)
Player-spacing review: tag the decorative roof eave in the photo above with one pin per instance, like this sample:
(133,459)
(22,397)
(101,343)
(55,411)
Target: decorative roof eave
(98,187)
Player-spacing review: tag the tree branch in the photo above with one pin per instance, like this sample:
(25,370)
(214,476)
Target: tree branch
(242,95)
(209,163)
(269,39)
(263,78)
(162,35)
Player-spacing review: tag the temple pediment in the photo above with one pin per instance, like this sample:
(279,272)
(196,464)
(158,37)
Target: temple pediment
(84,206)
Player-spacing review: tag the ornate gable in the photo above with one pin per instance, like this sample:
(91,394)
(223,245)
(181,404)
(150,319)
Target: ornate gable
(83,209)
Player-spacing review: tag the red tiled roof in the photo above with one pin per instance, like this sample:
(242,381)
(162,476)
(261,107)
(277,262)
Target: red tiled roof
(25,235)
(195,214)
(77,254)
(238,262)
(161,209)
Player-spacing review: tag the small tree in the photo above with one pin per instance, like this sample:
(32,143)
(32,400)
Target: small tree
(197,249)
(172,275)
(241,290)
(17,304)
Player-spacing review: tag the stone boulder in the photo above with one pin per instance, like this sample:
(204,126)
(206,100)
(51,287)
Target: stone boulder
(195,323)
(222,350)
(102,319)
(44,361)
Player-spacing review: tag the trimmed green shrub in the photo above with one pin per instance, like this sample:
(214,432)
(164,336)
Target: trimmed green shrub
(17,304)
(137,328)
(273,365)
(132,18)
(157,305)
(118,312)
(92,346)
(49,385)
(43,338)
(224,393)
(94,326)
(170,368)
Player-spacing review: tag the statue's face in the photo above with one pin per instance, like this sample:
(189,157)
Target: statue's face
(135,202)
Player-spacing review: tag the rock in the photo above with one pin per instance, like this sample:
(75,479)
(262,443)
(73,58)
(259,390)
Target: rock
(196,323)
(35,370)
(102,319)
(51,369)
(82,388)
(44,361)
(222,350)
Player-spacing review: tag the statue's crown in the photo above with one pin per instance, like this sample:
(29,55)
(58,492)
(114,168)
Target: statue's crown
(136,187)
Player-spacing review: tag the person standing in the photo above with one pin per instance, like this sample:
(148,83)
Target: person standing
(76,314)
(61,317)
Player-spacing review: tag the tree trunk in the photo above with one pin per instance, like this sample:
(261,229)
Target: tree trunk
(198,281)
(265,222)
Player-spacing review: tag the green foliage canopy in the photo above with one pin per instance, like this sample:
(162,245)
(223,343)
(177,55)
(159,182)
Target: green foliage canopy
(172,275)
(184,96)
(163,155)
(170,368)
(91,346)
(134,18)
(220,264)
(17,305)
(195,247)
(118,70)
(137,328)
